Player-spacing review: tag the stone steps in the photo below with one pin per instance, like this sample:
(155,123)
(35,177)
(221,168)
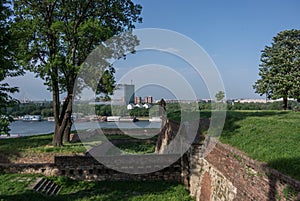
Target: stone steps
(46,186)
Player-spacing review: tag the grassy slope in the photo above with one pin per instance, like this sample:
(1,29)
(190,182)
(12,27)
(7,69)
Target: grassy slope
(14,187)
(40,145)
(269,136)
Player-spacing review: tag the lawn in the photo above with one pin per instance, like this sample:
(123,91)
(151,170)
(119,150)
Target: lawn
(14,149)
(268,136)
(15,187)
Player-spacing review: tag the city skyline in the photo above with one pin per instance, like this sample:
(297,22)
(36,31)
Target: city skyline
(232,33)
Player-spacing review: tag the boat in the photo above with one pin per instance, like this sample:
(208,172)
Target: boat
(51,119)
(113,118)
(32,118)
(128,119)
(155,119)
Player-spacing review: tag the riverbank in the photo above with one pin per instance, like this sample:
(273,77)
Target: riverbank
(21,128)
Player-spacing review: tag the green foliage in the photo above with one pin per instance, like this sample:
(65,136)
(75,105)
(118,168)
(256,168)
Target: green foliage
(8,67)
(21,109)
(139,112)
(220,95)
(66,43)
(103,110)
(119,110)
(291,105)
(279,70)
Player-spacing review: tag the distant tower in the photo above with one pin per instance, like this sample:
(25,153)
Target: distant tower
(124,94)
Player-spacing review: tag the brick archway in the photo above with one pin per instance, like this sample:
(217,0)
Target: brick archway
(206,188)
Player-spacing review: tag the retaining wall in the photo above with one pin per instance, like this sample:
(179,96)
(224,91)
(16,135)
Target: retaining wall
(228,174)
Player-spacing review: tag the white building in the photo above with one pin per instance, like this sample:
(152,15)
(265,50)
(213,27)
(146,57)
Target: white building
(130,106)
(147,106)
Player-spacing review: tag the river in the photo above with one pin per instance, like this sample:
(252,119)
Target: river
(23,128)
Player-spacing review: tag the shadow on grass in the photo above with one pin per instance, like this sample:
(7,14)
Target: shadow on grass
(13,147)
(287,166)
(104,191)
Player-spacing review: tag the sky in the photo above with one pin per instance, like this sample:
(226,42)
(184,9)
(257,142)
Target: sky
(232,33)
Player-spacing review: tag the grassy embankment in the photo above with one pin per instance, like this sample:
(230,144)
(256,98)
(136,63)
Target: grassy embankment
(268,136)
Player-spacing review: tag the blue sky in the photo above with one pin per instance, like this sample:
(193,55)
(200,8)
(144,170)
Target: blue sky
(232,32)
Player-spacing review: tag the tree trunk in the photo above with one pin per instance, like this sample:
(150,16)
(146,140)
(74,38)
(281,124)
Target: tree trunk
(285,102)
(67,132)
(57,138)
(63,127)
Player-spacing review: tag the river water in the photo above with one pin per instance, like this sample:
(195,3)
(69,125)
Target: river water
(23,128)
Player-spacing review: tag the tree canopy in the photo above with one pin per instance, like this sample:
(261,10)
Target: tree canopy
(220,95)
(280,68)
(8,67)
(59,35)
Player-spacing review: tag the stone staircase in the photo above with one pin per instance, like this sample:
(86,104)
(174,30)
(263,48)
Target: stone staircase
(46,186)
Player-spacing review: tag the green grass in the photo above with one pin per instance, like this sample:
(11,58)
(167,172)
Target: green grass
(269,136)
(133,148)
(15,187)
(138,148)
(15,148)
(40,145)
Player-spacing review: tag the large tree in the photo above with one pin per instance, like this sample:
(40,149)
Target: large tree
(280,68)
(58,36)
(8,67)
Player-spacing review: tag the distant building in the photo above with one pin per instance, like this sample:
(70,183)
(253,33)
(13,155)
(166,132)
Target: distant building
(130,106)
(148,99)
(137,100)
(147,106)
(139,105)
(124,94)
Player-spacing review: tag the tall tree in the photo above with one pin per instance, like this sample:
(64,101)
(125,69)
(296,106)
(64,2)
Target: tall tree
(8,68)
(220,95)
(58,36)
(280,68)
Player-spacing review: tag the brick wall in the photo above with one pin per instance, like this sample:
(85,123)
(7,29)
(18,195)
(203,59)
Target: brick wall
(227,174)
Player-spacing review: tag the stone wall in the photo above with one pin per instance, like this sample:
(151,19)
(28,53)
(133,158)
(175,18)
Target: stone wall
(88,168)
(47,169)
(228,174)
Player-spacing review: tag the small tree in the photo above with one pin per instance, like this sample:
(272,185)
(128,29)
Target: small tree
(220,95)
(58,36)
(8,68)
(280,68)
